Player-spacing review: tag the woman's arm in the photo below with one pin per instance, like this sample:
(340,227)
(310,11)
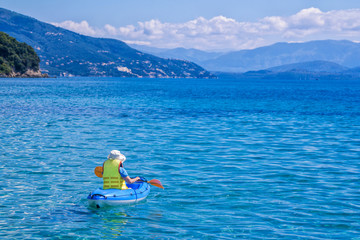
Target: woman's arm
(130,180)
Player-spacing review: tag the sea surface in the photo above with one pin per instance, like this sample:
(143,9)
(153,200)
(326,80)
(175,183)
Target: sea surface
(239,159)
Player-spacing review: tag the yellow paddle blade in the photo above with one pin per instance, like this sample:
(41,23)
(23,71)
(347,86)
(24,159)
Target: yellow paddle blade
(156,183)
(98,171)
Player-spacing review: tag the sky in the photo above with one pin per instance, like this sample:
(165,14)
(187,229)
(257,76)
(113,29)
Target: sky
(209,25)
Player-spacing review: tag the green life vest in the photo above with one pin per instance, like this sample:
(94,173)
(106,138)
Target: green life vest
(111,175)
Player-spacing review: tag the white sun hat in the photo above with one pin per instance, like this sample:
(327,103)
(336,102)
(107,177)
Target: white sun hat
(116,155)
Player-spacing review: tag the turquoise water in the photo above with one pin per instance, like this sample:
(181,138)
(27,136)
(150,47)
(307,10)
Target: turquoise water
(239,159)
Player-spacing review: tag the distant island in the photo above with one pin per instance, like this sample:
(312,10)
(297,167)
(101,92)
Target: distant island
(312,70)
(17,59)
(66,53)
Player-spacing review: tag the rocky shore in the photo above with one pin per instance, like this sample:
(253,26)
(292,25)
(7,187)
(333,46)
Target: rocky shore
(28,74)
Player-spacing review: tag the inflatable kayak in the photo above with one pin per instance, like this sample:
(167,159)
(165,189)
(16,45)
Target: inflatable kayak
(113,197)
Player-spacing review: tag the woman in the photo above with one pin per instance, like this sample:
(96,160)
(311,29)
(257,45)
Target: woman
(114,174)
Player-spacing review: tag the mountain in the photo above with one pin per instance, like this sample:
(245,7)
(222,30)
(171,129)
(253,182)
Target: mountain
(353,71)
(63,52)
(191,54)
(17,59)
(304,71)
(313,66)
(344,52)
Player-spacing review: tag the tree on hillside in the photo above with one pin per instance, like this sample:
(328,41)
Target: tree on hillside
(16,56)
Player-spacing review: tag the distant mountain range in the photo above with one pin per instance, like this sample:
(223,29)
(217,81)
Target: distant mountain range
(313,66)
(191,54)
(65,53)
(304,70)
(345,53)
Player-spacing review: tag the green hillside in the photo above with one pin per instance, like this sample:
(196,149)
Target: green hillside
(16,58)
(65,53)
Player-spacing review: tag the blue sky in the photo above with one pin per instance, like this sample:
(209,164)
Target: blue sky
(203,24)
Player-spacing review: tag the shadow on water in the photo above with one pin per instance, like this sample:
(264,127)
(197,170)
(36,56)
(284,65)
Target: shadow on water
(102,223)
(113,222)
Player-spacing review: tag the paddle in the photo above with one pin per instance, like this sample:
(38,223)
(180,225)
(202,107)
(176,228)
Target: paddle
(99,170)
(155,183)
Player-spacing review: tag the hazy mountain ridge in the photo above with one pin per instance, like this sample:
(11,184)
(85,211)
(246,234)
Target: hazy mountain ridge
(313,66)
(63,52)
(342,52)
(190,54)
(303,70)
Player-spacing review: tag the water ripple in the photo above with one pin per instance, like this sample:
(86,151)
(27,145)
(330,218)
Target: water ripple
(238,159)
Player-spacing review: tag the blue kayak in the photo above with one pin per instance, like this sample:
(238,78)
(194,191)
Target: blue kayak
(113,197)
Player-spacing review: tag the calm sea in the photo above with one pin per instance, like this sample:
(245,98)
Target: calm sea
(239,159)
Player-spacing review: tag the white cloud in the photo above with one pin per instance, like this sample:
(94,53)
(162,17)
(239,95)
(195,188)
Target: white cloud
(110,29)
(82,27)
(226,33)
